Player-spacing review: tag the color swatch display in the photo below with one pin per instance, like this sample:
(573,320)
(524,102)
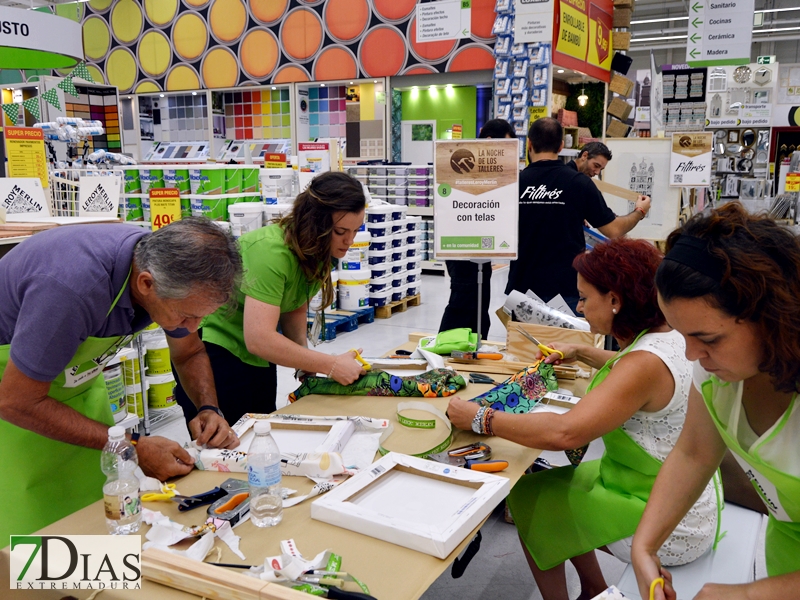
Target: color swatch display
(186,119)
(97,104)
(258,115)
(327,112)
(158,45)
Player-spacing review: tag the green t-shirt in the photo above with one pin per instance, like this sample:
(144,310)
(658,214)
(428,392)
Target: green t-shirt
(272,275)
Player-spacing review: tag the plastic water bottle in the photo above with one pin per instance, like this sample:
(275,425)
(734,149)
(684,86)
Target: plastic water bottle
(264,477)
(121,489)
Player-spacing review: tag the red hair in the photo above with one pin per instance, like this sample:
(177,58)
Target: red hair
(626,267)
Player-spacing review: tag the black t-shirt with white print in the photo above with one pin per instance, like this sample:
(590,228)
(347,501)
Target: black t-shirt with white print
(554,201)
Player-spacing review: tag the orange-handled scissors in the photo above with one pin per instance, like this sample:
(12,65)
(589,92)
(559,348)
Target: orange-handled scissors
(545,350)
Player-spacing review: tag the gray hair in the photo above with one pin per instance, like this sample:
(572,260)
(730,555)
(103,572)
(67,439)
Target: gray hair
(189,254)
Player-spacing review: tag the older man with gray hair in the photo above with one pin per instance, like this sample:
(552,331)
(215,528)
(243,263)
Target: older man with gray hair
(70,297)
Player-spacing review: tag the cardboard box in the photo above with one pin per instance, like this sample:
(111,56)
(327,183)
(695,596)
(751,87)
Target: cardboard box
(619,108)
(521,347)
(617,129)
(622,17)
(620,85)
(420,504)
(621,40)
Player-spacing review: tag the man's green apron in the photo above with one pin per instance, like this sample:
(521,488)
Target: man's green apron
(44,480)
(779,491)
(564,512)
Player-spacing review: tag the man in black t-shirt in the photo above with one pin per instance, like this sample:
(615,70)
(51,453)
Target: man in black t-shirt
(592,159)
(554,201)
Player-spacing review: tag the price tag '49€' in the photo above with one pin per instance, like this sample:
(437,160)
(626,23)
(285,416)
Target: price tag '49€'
(165,207)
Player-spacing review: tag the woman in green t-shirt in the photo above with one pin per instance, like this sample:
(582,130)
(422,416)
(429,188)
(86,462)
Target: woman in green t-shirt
(285,265)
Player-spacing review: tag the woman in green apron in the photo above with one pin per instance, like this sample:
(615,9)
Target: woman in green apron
(730,284)
(636,403)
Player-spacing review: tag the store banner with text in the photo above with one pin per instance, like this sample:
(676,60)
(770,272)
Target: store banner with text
(165,207)
(533,21)
(690,161)
(720,32)
(475,205)
(98,195)
(582,36)
(25,153)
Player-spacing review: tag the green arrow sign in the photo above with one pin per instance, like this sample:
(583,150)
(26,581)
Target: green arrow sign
(696,7)
(696,23)
(695,38)
(694,53)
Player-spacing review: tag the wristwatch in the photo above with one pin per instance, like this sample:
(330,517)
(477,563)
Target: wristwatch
(477,420)
(210,407)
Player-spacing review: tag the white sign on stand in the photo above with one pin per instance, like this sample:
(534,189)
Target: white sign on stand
(476,198)
(690,161)
(23,198)
(720,32)
(444,20)
(533,21)
(98,196)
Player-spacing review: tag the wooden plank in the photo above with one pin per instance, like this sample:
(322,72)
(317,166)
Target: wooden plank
(210,581)
(615,190)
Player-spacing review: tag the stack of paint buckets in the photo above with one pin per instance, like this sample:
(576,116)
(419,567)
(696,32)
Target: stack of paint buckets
(394,253)
(354,274)
(207,190)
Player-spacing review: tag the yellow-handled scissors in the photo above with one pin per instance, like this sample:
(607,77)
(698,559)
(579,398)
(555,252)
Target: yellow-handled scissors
(653,584)
(168,492)
(545,350)
(364,364)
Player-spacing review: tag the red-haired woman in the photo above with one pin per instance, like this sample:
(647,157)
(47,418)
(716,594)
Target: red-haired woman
(730,284)
(636,403)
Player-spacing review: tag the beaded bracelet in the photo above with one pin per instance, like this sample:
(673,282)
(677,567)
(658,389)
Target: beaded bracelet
(333,368)
(487,418)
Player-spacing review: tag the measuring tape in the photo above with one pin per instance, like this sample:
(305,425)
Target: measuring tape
(423,424)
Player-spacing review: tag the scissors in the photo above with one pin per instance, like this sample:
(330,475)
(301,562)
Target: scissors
(480,378)
(168,492)
(545,350)
(364,364)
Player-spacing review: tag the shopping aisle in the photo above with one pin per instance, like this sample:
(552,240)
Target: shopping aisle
(499,570)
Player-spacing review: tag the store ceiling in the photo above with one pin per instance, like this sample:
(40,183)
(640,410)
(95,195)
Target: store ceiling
(32,3)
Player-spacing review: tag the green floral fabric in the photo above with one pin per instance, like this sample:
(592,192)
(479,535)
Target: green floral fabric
(436,383)
(521,392)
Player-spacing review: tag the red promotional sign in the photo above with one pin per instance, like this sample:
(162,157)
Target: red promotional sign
(582,36)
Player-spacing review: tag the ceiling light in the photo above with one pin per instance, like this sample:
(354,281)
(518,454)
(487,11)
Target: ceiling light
(583,98)
(374,81)
(560,71)
(274,87)
(161,95)
(322,84)
(194,93)
(351,83)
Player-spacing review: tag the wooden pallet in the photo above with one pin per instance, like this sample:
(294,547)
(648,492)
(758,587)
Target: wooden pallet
(384,312)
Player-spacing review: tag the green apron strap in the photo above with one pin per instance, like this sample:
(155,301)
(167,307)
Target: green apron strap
(119,294)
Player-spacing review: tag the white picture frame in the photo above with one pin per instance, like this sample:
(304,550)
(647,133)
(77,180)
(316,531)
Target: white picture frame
(419,504)
(643,165)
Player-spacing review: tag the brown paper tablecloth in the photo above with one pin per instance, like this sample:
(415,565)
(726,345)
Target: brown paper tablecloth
(391,572)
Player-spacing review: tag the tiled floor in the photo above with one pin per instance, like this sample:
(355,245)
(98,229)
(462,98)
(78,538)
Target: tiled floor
(499,570)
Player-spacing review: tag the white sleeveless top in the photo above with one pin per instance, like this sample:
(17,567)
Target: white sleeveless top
(777,446)
(657,432)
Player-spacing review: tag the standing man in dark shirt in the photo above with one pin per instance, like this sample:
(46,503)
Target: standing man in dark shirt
(554,201)
(592,159)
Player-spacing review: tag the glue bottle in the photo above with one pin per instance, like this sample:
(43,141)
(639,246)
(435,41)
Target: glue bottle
(121,490)
(264,477)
